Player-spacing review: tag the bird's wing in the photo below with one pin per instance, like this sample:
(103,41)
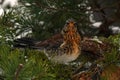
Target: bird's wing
(94,48)
(52,43)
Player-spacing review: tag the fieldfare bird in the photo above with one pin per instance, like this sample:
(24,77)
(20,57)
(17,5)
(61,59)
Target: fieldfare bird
(64,50)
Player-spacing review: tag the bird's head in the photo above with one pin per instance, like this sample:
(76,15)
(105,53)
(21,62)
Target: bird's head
(70,33)
(70,26)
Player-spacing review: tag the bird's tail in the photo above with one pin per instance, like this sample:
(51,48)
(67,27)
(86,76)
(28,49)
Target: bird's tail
(25,43)
(51,43)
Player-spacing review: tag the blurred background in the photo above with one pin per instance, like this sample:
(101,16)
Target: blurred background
(41,19)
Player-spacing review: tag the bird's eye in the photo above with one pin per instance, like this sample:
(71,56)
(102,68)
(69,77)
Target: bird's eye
(75,24)
(67,23)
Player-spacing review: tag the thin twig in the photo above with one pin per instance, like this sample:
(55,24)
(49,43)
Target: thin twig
(18,71)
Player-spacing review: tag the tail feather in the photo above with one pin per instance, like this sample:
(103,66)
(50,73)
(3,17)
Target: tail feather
(24,42)
(51,43)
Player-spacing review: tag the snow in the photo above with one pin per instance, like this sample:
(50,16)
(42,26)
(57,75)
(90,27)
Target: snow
(115,29)
(1,12)
(97,24)
(11,3)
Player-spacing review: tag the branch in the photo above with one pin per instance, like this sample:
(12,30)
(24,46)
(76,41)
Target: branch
(38,4)
(18,71)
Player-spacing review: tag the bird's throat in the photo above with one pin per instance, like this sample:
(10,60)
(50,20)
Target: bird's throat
(71,42)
